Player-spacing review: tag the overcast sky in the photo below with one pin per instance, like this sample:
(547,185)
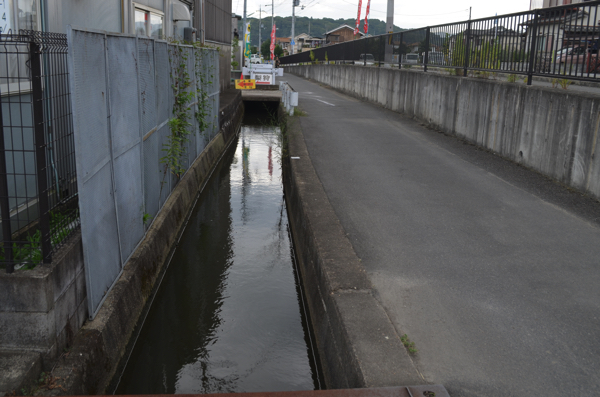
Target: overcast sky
(407,14)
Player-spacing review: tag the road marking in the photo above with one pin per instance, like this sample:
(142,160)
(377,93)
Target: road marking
(327,103)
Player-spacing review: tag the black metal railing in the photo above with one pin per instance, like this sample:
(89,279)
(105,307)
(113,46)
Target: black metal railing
(559,42)
(38,184)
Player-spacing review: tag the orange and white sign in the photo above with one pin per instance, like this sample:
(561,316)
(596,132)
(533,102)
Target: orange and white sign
(245,84)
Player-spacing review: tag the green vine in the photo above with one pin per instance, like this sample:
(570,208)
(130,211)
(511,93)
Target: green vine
(187,87)
(175,148)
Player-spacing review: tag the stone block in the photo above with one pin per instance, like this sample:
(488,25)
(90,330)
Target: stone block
(26,291)
(27,330)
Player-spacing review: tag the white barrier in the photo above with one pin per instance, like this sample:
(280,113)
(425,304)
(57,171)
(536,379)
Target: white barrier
(289,97)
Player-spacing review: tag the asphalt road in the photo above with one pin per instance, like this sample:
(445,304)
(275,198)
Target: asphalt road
(491,269)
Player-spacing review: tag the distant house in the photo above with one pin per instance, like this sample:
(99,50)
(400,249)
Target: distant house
(340,35)
(284,43)
(565,27)
(533,4)
(506,38)
(305,42)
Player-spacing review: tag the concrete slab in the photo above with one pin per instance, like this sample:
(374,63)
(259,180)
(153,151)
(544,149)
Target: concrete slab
(18,369)
(261,95)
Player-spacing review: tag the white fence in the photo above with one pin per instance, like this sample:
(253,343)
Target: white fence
(123,96)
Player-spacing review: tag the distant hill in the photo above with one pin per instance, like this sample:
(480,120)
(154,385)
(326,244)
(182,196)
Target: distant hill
(317,28)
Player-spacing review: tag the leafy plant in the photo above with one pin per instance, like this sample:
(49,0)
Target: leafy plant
(512,78)
(563,83)
(410,346)
(234,50)
(30,253)
(326,58)
(179,124)
(312,57)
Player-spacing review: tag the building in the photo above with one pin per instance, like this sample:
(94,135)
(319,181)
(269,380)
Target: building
(552,3)
(206,20)
(284,42)
(563,27)
(341,34)
(508,39)
(306,42)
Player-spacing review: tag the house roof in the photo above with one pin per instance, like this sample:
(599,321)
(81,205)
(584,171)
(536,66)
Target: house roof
(283,39)
(342,27)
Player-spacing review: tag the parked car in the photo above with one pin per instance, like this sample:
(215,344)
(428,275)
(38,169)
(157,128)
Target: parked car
(435,58)
(411,59)
(561,52)
(578,55)
(368,57)
(255,58)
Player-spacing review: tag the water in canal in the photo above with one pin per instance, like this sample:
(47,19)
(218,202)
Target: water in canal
(227,316)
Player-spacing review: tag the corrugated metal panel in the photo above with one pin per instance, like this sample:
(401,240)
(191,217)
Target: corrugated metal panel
(218,21)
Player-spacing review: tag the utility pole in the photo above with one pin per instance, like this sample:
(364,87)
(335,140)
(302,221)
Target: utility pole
(244,33)
(470,8)
(389,48)
(259,29)
(294,4)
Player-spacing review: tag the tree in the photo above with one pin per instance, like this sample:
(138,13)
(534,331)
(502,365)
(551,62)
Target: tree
(422,47)
(278,50)
(265,49)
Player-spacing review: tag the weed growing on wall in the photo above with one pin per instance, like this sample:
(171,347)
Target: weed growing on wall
(175,148)
(205,81)
(28,255)
(187,90)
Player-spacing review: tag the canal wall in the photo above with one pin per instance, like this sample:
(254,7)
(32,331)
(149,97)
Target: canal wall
(357,344)
(552,131)
(100,345)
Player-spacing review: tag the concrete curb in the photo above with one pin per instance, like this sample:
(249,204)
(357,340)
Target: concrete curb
(99,346)
(358,345)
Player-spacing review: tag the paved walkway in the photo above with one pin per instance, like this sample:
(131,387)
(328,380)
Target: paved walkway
(492,270)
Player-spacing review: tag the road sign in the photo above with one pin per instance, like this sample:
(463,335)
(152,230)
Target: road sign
(245,84)
(263,78)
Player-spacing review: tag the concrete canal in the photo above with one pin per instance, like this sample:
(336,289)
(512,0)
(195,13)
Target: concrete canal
(228,316)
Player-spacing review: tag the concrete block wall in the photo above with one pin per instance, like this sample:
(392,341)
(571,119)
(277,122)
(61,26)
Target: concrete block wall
(552,131)
(42,309)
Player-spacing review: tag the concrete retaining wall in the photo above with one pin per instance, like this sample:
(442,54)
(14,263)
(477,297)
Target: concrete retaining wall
(552,131)
(42,309)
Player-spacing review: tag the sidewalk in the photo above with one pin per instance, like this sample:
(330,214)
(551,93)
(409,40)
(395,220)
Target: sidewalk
(490,269)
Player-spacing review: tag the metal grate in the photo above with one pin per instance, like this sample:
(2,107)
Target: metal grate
(38,187)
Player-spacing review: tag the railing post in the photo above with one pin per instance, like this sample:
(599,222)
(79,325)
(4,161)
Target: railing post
(4,204)
(40,150)
(467,42)
(382,41)
(400,51)
(426,60)
(532,50)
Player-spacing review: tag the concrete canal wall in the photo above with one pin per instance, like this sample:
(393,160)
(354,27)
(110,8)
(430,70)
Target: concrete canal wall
(552,131)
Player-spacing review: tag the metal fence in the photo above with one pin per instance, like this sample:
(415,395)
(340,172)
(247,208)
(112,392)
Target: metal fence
(38,188)
(126,103)
(559,42)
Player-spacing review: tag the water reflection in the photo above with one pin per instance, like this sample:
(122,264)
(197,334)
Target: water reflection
(226,318)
